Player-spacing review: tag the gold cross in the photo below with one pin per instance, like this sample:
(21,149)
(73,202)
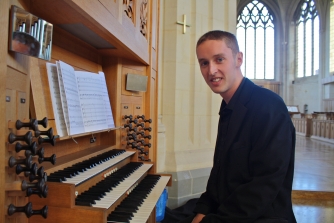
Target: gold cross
(184,23)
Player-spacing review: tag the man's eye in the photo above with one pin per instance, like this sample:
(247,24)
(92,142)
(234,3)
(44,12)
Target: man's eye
(205,63)
(220,59)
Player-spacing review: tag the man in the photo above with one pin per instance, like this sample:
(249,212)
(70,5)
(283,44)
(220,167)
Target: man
(251,178)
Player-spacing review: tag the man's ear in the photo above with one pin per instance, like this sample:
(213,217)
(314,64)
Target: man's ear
(239,59)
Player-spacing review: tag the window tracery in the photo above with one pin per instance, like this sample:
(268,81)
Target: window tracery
(256,37)
(307,39)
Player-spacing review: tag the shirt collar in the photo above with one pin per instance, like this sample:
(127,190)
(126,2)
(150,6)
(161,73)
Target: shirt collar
(233,100)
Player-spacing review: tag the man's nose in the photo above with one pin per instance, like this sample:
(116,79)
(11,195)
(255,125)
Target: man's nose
(212,69)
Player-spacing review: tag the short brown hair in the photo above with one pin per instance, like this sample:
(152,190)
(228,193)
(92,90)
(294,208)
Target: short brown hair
(230,39)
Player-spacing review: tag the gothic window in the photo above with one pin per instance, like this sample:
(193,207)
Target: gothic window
(307,39)
(256,37)
(331,39)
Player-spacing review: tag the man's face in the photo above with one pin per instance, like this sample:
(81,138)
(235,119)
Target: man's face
(219,67)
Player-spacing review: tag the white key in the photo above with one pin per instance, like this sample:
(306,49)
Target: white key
(145,210)
(121,188)
(97,169)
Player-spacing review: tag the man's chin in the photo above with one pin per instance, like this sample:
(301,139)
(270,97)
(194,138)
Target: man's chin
(216,91)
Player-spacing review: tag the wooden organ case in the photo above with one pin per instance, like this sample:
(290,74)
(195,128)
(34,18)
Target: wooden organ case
(117,37)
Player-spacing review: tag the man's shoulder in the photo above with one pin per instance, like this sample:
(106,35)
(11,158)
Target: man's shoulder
(259,93)
(263,98)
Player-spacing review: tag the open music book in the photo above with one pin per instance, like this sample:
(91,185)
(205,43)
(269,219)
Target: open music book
(80,100)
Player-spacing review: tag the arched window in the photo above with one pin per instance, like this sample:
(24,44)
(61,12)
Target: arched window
(256,37)
(331,39)
(307,39)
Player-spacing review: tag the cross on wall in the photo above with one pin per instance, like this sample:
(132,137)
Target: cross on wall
(184,23)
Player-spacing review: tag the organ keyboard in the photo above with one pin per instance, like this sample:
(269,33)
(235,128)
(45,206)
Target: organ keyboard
(94,168)
(148,195)
(112,196)
(98,190)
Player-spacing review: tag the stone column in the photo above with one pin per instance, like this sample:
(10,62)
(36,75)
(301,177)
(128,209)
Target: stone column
(188,108)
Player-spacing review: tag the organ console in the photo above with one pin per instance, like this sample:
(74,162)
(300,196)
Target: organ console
(51,178)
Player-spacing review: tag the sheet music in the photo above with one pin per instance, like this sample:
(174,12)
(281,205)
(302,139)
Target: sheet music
(63,99)
(55,99)
(105,96)
(93,108)
(70,98)
(80,100)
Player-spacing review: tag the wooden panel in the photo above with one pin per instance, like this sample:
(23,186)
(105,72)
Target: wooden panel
(332,131)
(134,65)
(132,53)
(138,109)
(112,68)
(11,106)
(126,109)
(16,80)
(92,14)
(113,7)
(22,105)
(328,129)
(323,128)
(308,127)
(154,26)
(318,128)
(314,127)
(64,40)
(54,197)
(131,99)
(75,60)
(73,215)
(273,86)
(154,60)
(18,62)
(41,98)
(153,116)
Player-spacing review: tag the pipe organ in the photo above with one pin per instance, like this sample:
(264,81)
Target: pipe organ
(102,176)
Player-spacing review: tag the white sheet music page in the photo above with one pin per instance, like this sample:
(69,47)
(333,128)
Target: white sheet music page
(55,99)
(105,96)
(73,115)
(91,100)
(63,98)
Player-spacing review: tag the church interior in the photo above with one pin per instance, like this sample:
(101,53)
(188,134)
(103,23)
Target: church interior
(189,111)
(160,115)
